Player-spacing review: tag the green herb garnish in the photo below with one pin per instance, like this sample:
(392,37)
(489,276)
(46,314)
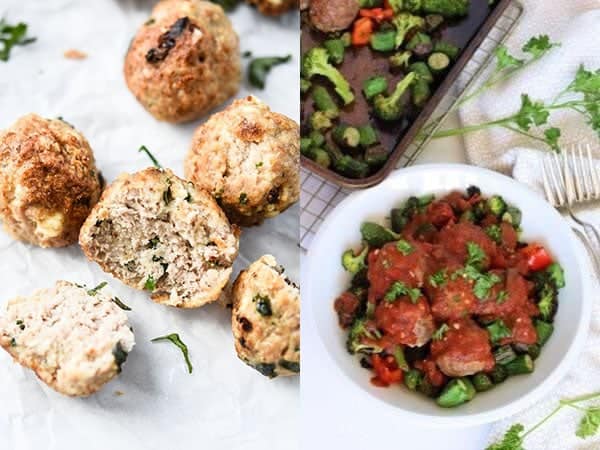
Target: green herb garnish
(144,149)
(11,35)
(399,288)
(484,283)
(243,198)
(404,247)
(120,304)
(152,243)
(439,278)
(259,68)
(95,290)
(120,355)
(150,284)
(498,331)
(440,332)
(263,305)
(175,339)
(502,297)
(475,255)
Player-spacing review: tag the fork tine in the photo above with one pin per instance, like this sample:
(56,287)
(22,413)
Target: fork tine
(594,172)
(585,179)
(556,178)
(579,170)
(568,178)
(547,186)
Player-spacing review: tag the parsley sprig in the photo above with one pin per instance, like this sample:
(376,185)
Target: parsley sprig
(582,96)
(176,340)
(398,289)
(588,426)
(11,35)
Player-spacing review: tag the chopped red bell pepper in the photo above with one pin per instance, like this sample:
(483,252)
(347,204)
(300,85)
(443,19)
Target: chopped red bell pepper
(386,371)
(378,14)
(537,257)
(362,31)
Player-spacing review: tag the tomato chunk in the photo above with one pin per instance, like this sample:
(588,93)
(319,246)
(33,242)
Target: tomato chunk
(537,257)
(386,371)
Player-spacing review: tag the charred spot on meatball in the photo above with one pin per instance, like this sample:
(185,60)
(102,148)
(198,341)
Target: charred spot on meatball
(246,324)
(167,40)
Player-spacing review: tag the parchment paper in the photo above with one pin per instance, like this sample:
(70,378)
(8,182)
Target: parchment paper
(223,404)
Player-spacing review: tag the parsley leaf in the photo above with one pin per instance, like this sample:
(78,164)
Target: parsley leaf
(144,149)
(404,247)
(259,68)
(399,288)
(120,304)
(512,439)
(439,278)
(439,333)
(175,339)
(475,255)
(150,283)
(11,35)
(95,290)
(483,284)
(502,297)
(505,60)
(552,134)
(493,231)
(537,46)
(590,423)
(531,113)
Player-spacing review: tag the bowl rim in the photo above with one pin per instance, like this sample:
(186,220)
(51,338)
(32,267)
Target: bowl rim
(494,414)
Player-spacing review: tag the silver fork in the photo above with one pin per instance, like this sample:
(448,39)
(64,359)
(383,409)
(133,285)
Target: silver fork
(570,179)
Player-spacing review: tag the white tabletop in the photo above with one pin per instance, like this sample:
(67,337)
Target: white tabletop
(331,421)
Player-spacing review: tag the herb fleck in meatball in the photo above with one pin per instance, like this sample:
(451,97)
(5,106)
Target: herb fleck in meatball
(48,181)
(155,231)
(75,339)
(184,60)
(248,157)
(266,319)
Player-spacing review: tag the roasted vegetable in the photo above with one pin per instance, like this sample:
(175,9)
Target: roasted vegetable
(400,60)
(324,102)
(346,164)
(305,86)
(446,8)
(317,138)
(384,41)
(346,136)
(422,70)
(512,215)
(405,22)
(520,365)
(438,62)
(374,86)
(482,382)
(320,156)
(315,62)
(354,263)
(376,235)
(420,44)
(446,48)
(336,49)
(412,379)
(544,331)
(355,343)
(368,136)
(321,120)
(456,392)
(391,108)
(421,92)
(376,156)
(433,21)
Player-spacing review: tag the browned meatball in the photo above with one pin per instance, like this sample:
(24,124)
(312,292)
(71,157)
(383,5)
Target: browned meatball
(184,60)
(405,322)
(456,237)
(463,350)
(274,7)
(333,15)
(48,181)
(452,300)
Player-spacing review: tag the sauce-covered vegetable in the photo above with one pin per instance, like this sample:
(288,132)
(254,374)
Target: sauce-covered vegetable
(448,300)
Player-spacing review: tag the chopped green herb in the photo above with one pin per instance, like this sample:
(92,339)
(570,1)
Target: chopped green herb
(11,35)
(475,255)
(150,284)
(267,369)
(150,21)
(483,284)
(439,278)
(493,231)
(439,333)
(263,305)
(502,297)
(13,342)
(398,289)
(243,198)
(589,424)
(95,290)
(144,149)
(259,164)
(259,68)
(120,355)
(247,54)
(176,340)
(404,247)
(152,243)
(20,324)
(120,304)
(167,194)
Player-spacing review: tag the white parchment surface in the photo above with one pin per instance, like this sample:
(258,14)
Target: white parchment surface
(223,404)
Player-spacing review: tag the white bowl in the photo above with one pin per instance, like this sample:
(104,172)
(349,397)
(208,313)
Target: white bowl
(325,280)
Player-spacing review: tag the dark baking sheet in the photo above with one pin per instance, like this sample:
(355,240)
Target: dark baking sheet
(467,33)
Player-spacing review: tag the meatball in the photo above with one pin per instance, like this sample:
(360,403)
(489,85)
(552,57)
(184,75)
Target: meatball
(154,231)
(405,322)
(463,350)
(274,7)
(452,300)
(248,157)
(333,15)
(266,319)
(347,307)
(184,60)
(389,264)
(74,339)
(48,181)
(456,237)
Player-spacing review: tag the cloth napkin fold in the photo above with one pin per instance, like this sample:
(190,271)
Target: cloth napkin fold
(575,24)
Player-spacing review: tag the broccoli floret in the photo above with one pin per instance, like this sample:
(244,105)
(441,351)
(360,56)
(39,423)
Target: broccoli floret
(556,274)
(354,343)
(400,60)
(321,120)
(548,302)
(315,62)
(496,205)
(391,108)
(404,22)
(446,8)
(354,263)
(346,164)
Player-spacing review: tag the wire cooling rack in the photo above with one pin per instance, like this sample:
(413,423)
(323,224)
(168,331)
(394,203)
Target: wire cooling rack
(319,197)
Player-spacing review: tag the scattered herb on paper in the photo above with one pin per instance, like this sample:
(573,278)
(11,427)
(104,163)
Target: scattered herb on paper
(176,340)
(144,149)
(11,35)
(259,68)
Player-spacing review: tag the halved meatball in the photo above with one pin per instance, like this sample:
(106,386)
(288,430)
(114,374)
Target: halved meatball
(463,350)
(154,231)
(184,60)
(389,264)
(455,238)
(405,322)
(333,15)
(248,157)
(48,181)
(75,339)
(266,319)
